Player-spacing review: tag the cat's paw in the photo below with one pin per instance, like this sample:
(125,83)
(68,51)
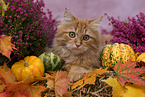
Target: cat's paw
(76,73)
(74,76)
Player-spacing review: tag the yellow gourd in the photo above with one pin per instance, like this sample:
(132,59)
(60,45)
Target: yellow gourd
(30,66)
(111,54)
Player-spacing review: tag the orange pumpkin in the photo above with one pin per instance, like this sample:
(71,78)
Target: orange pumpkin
(31,65)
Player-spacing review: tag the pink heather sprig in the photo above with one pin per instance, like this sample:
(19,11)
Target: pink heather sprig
(29,26)
(131,32)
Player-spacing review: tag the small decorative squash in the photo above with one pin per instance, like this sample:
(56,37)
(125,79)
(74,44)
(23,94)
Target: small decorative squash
(141,57)
(111,54)
(141,60)
(31,65)
(51,61)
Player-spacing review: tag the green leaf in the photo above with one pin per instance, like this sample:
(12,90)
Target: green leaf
(128,73)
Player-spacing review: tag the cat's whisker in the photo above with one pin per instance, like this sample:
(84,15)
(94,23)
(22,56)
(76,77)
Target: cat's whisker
(94,53)
(94,45)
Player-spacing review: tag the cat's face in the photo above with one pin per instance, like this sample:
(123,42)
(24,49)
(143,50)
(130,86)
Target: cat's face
(78,35)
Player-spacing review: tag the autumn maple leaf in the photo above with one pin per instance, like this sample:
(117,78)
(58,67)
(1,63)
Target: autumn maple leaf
(128,73)
(118,90)
(9,87)
(134,90)
(58,82)
(24,89)
(61,83)
(128,90)
(6,46)
(89,78)
(6,75)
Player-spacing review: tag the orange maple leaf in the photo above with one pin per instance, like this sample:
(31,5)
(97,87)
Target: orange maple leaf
(11,88)
(61,83)
(2,86)
(24,89)
(89,78)
(4,94)
(6,46)
(58,82)
(6,75)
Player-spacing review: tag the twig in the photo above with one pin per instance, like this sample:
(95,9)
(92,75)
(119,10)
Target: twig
(79,87)
(80,94)
(94,93)
(105,94)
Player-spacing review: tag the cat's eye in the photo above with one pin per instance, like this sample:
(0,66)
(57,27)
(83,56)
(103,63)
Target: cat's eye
(86,37)
(72,34)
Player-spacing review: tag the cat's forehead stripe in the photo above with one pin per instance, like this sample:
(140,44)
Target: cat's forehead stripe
(81,26)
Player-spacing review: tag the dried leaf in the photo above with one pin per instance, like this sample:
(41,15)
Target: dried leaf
(89,78)
(6,75)
(2,86)
(4,94)
(24,89)
(6,46)
(69,94)
(77,84)
(61,83)
(50,83)
(50,80)
(118,90)
(134,90)
(128,73)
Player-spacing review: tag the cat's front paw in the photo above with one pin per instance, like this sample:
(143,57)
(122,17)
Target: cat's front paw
(74,76)
(76,73)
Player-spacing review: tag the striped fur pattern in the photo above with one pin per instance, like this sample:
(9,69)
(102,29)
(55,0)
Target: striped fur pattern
(77,42)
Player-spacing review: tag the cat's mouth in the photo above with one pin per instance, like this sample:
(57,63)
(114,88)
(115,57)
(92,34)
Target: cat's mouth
(77,51)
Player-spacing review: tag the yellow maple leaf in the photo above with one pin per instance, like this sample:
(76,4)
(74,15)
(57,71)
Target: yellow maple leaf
(6,46)
(128,90)
(118,90)
(134,90)
(4,6)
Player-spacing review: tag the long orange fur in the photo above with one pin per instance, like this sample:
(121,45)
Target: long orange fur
(79,55)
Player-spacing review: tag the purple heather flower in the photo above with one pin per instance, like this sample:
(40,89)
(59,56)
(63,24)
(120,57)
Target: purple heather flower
(9,21)
(131,32)
(18,16)
(17,25)
(21,12)
(25,14)
(10,16)
(27,22)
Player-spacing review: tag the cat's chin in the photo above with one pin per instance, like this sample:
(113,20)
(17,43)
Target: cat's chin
(77,51)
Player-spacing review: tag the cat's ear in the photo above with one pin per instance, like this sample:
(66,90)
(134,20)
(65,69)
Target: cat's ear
(67,16)
(96,22)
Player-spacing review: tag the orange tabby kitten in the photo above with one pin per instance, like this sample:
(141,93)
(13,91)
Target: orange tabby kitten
(77,42)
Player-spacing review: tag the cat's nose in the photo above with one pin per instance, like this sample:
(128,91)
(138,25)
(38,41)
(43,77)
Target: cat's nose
(78,45)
